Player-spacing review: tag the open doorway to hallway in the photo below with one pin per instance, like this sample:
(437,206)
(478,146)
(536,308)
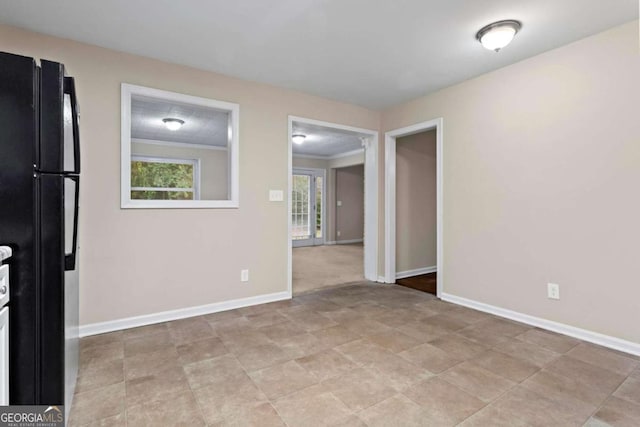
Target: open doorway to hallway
(413,206)
(416,211)
(328,198)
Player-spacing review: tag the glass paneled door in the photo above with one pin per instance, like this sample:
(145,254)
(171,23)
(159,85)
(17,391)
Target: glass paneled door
(307,207)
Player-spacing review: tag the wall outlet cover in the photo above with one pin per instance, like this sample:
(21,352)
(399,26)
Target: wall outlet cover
(244,275)
(276,195)
(553,291)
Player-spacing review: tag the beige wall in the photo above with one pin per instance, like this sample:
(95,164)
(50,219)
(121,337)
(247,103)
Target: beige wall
(541,179)
(213,165)
(349,185)
(416,222)
(142,261)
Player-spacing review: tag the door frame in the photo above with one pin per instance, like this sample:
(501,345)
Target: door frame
(370,197)
(315,173)
(390,196)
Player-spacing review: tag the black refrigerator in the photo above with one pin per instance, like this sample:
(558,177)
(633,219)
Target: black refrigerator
(39,188)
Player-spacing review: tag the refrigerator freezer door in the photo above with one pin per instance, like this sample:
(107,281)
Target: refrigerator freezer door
(59,138)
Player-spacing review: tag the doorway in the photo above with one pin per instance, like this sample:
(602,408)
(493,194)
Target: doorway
(308,207)
(391,208)
(316,155)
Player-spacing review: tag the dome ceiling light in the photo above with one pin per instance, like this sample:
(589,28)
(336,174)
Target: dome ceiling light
(173,124)
(499,34)
(298,138)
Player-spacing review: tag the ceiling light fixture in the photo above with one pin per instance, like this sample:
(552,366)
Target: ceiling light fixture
(173,124)
(298,138)
(499,34)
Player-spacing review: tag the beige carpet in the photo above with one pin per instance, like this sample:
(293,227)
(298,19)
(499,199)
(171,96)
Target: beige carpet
(317,267)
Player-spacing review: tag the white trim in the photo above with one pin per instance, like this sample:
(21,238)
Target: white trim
(332,157)
(332,125)
(177,144)
(289,207)
(309,156)
(126,92)
(348,242)
(381,279)
(370,197)
(346,154)
(166,316)
(390,196)
(416,272)
(332,242)
(572,331)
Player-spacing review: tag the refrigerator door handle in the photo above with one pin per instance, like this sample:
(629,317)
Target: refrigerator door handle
(70,258)
(70,89)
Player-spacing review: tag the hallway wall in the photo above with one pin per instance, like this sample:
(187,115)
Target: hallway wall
(416,209)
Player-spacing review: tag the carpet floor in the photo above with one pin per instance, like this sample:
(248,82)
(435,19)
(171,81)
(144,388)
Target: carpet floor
(316,267)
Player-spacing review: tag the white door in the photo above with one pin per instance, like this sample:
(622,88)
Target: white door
(307,207)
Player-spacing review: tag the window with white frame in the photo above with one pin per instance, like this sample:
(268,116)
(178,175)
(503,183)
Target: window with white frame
(159,178)
(162,132)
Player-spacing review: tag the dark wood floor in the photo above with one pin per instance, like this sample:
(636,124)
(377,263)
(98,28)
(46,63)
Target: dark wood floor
(424,282)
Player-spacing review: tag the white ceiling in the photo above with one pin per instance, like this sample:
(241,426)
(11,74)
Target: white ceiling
(374,54)
(202,125)
(326,142)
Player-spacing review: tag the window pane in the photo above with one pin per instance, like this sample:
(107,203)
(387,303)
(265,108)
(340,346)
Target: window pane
(161,175)
(319,207)
(162,195)
(300,207)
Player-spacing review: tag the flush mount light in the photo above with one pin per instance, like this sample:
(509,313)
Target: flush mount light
(499,34)
(173,124)
(298,138)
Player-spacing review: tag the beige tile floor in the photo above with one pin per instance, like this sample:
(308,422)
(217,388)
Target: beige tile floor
(364,354)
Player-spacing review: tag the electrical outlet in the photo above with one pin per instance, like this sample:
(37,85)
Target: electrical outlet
(244,275)
(553,291)
(338,233)
(276,195)
(339,203)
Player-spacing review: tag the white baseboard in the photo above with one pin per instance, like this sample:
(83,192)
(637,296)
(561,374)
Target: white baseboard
(348,242)
(332,242)
(165,316)
(582,334)
(416,272)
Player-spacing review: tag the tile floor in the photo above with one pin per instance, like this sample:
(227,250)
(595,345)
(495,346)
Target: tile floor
(364,354)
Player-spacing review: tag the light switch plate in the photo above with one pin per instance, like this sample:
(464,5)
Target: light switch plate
(339,203)
(276,195)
